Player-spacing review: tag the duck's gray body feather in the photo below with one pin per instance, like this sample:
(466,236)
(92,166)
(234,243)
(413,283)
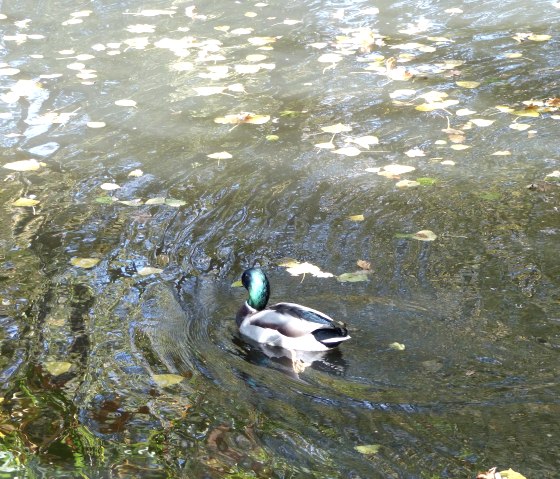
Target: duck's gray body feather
(291,326)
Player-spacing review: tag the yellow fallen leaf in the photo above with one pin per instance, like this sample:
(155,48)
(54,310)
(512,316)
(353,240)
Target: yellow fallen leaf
(504,109)
(539,38)
(513,55)
(529,113)
(356,217)
(247,69)
(502,153)
(511,474)
(255,58)
(365,141)
(136,173)
(397,346)
(459,147)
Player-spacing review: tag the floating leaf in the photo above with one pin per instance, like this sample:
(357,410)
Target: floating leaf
(348,151)
(56,368)
(361,275)
(328,145)
(448,163)
(148,270)
(368,449)
(459,147)
(85,263)
(465,112)
(414,152)
(221,155)
(95,124)
(532,113)
(338,128)
(105,200)
(397,346)
(237,284)
(502,153)
(209,90)
(295,268)
(166,380)
(109,186)
(243,118)
(520,126)
(329,58)
(407,184)
(396,169)
(482,122)
(539,38)
(358,217)
(175,203)
(125,103)
(136,173)
(255,57)
(424,235)
(365,141)
(25,202)
(247,69)
(453,10)
(272,137)
(24,165)
(468,84)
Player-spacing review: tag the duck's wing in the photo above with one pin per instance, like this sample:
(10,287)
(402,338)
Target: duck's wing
(292,320)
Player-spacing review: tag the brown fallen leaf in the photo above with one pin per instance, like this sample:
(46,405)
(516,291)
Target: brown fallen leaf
(489,474)
(364,264)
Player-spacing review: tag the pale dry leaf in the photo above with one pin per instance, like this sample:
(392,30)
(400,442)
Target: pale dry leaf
(295,268)
(348,151)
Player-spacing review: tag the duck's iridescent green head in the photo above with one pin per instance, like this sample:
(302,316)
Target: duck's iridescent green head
(257,284)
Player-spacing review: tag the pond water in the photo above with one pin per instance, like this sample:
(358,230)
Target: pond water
(111,369)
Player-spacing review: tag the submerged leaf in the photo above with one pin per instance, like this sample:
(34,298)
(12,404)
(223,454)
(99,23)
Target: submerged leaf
(424,235)
(348,151)
(24,165)
(368,449)
(25,202)
(356,276)
(148,270)
(155,201)
(56,368)
(175,203)
(166,380)
(85,263)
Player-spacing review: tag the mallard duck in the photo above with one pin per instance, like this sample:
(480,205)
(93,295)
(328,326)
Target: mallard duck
(287,325)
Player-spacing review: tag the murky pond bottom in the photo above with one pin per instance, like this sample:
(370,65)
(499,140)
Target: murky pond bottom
(153,151)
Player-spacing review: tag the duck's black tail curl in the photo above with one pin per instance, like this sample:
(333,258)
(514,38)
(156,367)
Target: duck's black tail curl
(331,337)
